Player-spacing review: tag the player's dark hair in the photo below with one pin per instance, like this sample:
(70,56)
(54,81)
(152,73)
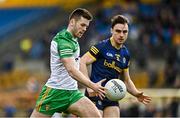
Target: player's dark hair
(118,19)
(80,12)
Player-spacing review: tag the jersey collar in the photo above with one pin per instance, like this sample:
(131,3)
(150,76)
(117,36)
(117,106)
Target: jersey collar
(70,36)
(113,44)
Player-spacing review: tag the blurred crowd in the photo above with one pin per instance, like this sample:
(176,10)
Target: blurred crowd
(154,37)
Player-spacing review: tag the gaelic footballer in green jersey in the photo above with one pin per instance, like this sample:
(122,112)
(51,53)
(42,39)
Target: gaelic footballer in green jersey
(63,45)
(60,93)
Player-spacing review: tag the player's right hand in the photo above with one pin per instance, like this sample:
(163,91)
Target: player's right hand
(91,93)
(98,90)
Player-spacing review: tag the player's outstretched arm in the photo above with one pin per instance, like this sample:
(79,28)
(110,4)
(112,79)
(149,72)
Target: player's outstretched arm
(69,64)
(133,90)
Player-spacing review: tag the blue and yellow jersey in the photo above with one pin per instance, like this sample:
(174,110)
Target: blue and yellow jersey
(109,61)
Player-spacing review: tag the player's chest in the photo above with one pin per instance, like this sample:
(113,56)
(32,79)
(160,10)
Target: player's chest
(115,57)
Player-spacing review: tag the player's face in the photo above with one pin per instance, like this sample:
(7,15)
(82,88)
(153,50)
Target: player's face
(80,27)
(119,33)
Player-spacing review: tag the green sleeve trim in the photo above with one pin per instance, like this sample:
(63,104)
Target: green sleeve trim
(66,56)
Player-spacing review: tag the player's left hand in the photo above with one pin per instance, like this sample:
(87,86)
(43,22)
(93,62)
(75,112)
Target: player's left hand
(143,98)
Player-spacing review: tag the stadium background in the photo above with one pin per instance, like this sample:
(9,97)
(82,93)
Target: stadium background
(27,27)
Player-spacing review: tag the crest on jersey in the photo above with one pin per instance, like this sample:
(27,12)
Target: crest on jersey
(117,57)
(124,60)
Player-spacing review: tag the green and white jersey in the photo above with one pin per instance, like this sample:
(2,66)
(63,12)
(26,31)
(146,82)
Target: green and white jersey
(63,45)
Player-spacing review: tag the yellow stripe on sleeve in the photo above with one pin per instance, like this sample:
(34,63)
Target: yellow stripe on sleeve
(91,56)
(94,50)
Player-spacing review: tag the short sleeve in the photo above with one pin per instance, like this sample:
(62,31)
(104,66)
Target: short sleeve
(65,49)
(127,59)
(95,51)
(127,66)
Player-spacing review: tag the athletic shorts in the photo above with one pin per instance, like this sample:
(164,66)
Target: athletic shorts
(102,104)
(56,100)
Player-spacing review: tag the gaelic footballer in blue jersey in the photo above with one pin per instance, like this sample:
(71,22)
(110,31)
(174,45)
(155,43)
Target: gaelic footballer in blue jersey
(110,59)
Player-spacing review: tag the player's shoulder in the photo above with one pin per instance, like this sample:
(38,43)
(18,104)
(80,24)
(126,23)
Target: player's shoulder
(124,47)
(62,40)
(103,43)
(125,50)
(62,36)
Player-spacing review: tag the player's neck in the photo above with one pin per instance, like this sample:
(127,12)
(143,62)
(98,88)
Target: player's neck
(70,31)
(114,44)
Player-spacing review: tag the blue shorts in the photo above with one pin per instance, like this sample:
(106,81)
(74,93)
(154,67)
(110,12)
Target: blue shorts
(102,104)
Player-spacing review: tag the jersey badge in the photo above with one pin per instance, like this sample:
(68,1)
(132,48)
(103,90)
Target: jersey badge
(124,60)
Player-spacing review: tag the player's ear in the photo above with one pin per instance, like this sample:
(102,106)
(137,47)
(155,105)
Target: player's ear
(72,22)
